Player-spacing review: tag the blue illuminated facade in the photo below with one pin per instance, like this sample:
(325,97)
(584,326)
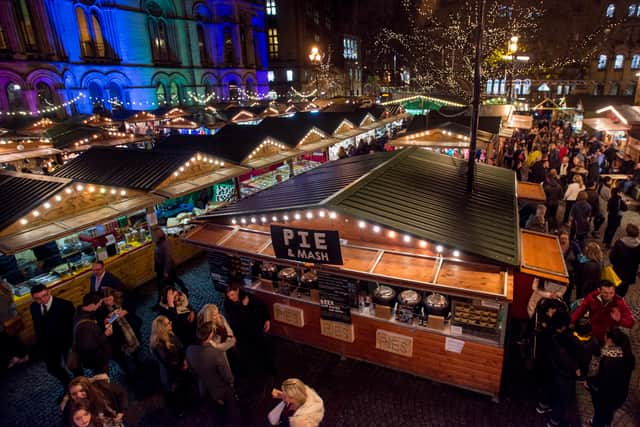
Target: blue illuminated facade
(128,54)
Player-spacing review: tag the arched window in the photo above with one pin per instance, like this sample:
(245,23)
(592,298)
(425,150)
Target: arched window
(517,85)
(635,62)
(205,59)
(96,95)
(496,86)
(602,62)
(15,97)
(615,88)
(3,39)
(234,91)
(163,42)
(611,10)
(25,23)
(526,87)
(44,95)
(228,47)
(83,27)
(618,62)
(489,85)
(161,94)
(98,39)
(114,93)
(632,9)
(159,34)
(249,87)
(174,93)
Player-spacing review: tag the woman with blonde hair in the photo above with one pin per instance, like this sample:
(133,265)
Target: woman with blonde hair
(588,269)
(169,351)
(570,196)
(224,338)
(300,407)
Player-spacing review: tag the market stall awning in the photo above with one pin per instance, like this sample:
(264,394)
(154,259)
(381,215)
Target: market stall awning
(179,123)
(181,188)
(602,124)
(137,169)
(27,154)
(273,159)
(519,121)
(411,191)
(531,191)
(318,145)
(542,256)
(446,135)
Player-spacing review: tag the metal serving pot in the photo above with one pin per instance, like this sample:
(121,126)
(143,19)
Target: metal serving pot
(309,280)
(289,275)
(384,295)
(437,304)
(269,271)
(409,297)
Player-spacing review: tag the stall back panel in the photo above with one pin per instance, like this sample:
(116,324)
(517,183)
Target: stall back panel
(470,276)
(478,367)
(406,267)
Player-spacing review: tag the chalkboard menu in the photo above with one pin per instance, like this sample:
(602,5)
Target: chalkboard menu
(219,267)
(334,298)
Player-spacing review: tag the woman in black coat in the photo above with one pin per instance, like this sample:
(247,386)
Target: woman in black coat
(615,208)
(588,269)
(610,387)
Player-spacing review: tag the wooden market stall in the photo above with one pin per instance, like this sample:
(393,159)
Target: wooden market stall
(529,192)
(394,228)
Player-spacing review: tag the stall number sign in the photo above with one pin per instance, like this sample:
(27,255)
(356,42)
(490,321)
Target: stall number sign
(315,246)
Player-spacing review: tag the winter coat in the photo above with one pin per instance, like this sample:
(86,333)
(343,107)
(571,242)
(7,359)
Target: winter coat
(311,413)
(600,313)
(611,383)
(553,191)
(625,258)
(580,213)
(584,349)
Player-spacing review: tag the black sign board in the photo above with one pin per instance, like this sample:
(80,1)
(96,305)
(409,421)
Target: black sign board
(334,298)
(315,246)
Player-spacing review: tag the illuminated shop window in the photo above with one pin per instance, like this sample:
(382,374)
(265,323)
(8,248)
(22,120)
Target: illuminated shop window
(611,10)
(602,62)
(635,62)
(632,10)
(271,76)
(271,7)
(618,63)
(272,43)
(289,75)
(489,86)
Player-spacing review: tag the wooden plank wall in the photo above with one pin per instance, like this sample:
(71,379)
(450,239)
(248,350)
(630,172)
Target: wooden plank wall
(478,367)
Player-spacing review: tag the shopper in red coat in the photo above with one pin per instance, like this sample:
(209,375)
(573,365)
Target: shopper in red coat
(606,310)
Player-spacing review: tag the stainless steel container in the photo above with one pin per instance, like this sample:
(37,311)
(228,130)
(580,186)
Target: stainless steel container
(384,295)
(437,304)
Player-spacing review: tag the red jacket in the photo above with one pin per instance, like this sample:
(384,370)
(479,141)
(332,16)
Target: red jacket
(600,314)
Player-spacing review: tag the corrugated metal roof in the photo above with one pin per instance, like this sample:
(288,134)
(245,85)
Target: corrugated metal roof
(309,188)
(21,193)
(423,193)
(412,191)
(128,168)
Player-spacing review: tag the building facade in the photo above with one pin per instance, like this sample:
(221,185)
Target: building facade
(67,56)
(294,28)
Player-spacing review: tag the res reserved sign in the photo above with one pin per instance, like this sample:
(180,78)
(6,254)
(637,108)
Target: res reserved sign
(315,246)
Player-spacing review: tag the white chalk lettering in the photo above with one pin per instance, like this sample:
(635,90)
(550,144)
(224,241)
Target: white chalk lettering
(288,236)
(321,241)
(304,243)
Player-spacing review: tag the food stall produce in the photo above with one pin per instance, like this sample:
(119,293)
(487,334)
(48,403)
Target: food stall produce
(98,206)
(400,282)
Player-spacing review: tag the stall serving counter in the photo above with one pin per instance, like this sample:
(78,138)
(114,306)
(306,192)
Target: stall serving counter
(383,258)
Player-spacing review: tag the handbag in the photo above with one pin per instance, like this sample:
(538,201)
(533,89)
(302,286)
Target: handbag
(608,273)
(275,413)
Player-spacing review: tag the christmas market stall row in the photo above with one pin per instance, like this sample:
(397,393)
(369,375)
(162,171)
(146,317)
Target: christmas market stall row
(384,258)
(100,206)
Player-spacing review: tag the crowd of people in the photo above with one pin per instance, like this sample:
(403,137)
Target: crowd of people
(575,333)
(201,353)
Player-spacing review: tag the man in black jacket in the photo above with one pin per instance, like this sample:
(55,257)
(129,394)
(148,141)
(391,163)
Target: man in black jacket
(53,325)
(211,367)
(91,343)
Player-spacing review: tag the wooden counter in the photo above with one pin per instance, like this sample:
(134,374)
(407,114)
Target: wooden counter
(477,367)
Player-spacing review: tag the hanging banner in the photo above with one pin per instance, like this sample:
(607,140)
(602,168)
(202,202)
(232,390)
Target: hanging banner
(315,246)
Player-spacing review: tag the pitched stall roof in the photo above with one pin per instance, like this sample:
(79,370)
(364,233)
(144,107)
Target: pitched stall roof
(21,193)
(413,191)
(137,169)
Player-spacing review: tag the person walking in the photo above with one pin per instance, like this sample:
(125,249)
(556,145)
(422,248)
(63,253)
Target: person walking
(571,195)
(169,352)
(580,216)
(604,194)
(625,258)
(616,207)
(53,324)
(588,269)
(164,264)
(211,367)
(553,191)
(610,386)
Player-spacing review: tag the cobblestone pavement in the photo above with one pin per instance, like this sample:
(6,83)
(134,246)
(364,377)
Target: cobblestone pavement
(355,393)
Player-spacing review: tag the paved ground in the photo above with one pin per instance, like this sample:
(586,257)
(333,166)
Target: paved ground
(355,393)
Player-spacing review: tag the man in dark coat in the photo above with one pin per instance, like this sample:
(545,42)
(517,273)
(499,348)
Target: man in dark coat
(211,367)
(53,324)
(102,278)
(625,258)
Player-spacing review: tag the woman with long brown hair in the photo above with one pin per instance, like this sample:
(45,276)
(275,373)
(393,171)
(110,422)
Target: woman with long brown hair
(103,397)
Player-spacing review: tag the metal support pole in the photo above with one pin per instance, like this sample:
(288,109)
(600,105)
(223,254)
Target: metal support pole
(476,98)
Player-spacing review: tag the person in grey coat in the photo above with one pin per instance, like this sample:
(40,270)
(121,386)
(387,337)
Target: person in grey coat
(211,368)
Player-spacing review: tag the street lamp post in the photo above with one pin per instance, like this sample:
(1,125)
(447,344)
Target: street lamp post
(513,58)
(316,59)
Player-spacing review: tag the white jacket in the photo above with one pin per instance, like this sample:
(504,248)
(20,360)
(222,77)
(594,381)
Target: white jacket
(572,192)
(311,413)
